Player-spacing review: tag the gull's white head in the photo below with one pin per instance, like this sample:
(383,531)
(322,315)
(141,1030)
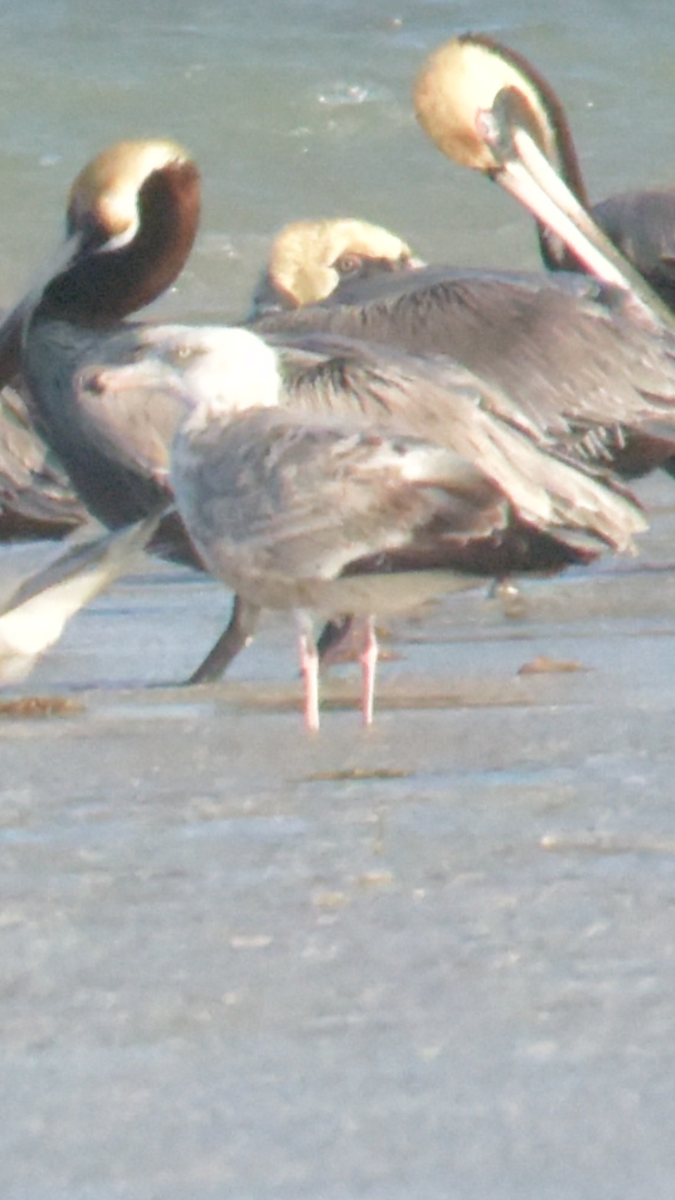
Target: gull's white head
(217,370)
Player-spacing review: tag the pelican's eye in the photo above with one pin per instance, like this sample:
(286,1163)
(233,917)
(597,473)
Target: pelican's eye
(348,264)
(487,126)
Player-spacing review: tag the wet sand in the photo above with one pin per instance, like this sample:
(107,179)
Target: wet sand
(436,959)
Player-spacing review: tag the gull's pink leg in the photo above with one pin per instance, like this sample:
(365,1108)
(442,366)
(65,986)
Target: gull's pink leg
(368,665)
(309,666)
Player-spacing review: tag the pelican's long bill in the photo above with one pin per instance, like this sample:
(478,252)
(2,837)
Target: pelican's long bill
(485,108)
(525,172)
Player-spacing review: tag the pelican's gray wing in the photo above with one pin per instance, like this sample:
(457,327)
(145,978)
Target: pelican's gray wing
(572,363)
(345,376)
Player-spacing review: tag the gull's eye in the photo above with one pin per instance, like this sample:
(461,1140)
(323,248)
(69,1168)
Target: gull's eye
(183,355)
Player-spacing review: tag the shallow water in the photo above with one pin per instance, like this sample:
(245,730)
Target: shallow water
(432,960)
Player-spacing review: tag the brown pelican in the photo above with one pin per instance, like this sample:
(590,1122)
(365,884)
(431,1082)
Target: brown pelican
(131,221)
(309,259)
(33,618)
(485,107)
(306,483)
(640,223)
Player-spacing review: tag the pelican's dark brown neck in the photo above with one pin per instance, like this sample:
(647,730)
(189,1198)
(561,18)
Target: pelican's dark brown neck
(102,285)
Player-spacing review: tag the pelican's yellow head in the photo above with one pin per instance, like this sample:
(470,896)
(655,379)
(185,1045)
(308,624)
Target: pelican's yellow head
(462,79)
(105,193)
(310,258)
